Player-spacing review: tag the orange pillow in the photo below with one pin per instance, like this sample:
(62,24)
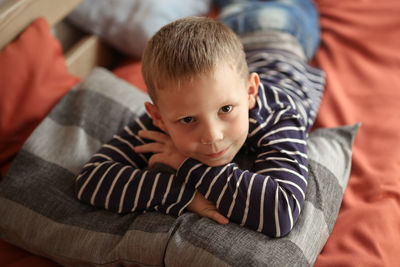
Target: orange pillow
(33,77)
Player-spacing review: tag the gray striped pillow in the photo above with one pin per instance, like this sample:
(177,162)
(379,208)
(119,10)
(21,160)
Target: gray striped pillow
(39,211)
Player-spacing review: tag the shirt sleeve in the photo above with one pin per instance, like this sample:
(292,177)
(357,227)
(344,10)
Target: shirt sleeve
(116,178)
(269,198)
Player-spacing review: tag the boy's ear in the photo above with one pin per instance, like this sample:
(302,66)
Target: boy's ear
(253,83)
(155,115)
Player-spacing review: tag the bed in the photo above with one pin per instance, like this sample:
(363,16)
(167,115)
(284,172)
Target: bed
(48,83)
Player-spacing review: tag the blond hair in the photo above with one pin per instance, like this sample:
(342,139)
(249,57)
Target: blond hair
(189,47)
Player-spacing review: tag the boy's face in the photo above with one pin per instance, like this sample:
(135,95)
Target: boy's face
(207,119)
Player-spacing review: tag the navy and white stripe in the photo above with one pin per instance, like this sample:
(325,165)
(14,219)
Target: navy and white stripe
(115,178)
(267,198)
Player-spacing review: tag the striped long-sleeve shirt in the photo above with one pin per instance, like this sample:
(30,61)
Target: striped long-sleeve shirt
(267,197)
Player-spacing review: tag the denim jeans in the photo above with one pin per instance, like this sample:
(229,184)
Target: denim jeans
(296,17)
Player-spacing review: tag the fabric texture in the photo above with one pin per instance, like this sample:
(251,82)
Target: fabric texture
(131,71)
(128,24)
(39,189)
(297,18)
(33,77)
(360,54)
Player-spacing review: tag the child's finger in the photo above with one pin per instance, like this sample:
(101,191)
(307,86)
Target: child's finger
(150,148)
(216,216)
(157,158)
(153,135)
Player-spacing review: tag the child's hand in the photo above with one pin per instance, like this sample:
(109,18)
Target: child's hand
(205,208)
(163,148)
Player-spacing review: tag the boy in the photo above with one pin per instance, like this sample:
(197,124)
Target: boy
(206,108)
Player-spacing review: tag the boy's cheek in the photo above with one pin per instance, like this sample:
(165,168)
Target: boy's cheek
(241,126)
(185,149)
(183,145)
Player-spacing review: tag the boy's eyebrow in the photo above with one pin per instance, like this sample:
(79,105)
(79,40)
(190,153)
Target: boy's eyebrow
(180,115)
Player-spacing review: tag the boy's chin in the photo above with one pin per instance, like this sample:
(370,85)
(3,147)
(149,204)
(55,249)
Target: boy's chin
(216,163)
(224,159)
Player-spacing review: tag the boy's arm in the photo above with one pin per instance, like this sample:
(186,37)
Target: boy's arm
(165,153)
(115,178)
(268,200)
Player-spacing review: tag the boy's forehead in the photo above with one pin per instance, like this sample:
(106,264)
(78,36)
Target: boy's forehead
(221,87)
(179,85)
(188,79)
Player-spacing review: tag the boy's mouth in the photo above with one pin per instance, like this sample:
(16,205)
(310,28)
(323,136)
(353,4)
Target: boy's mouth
(218,154)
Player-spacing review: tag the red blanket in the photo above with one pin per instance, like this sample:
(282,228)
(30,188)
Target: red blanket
(360,52)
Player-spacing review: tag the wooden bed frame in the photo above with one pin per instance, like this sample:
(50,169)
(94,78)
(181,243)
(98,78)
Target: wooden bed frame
(82,51)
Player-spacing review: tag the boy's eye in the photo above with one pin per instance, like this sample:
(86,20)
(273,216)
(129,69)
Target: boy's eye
(187,120)
(226,109)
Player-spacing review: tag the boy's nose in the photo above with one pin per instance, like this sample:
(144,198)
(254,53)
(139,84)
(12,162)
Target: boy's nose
(211,134)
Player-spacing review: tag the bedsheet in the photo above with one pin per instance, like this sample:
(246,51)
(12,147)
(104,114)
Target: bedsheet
(12,256)
(360,54)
